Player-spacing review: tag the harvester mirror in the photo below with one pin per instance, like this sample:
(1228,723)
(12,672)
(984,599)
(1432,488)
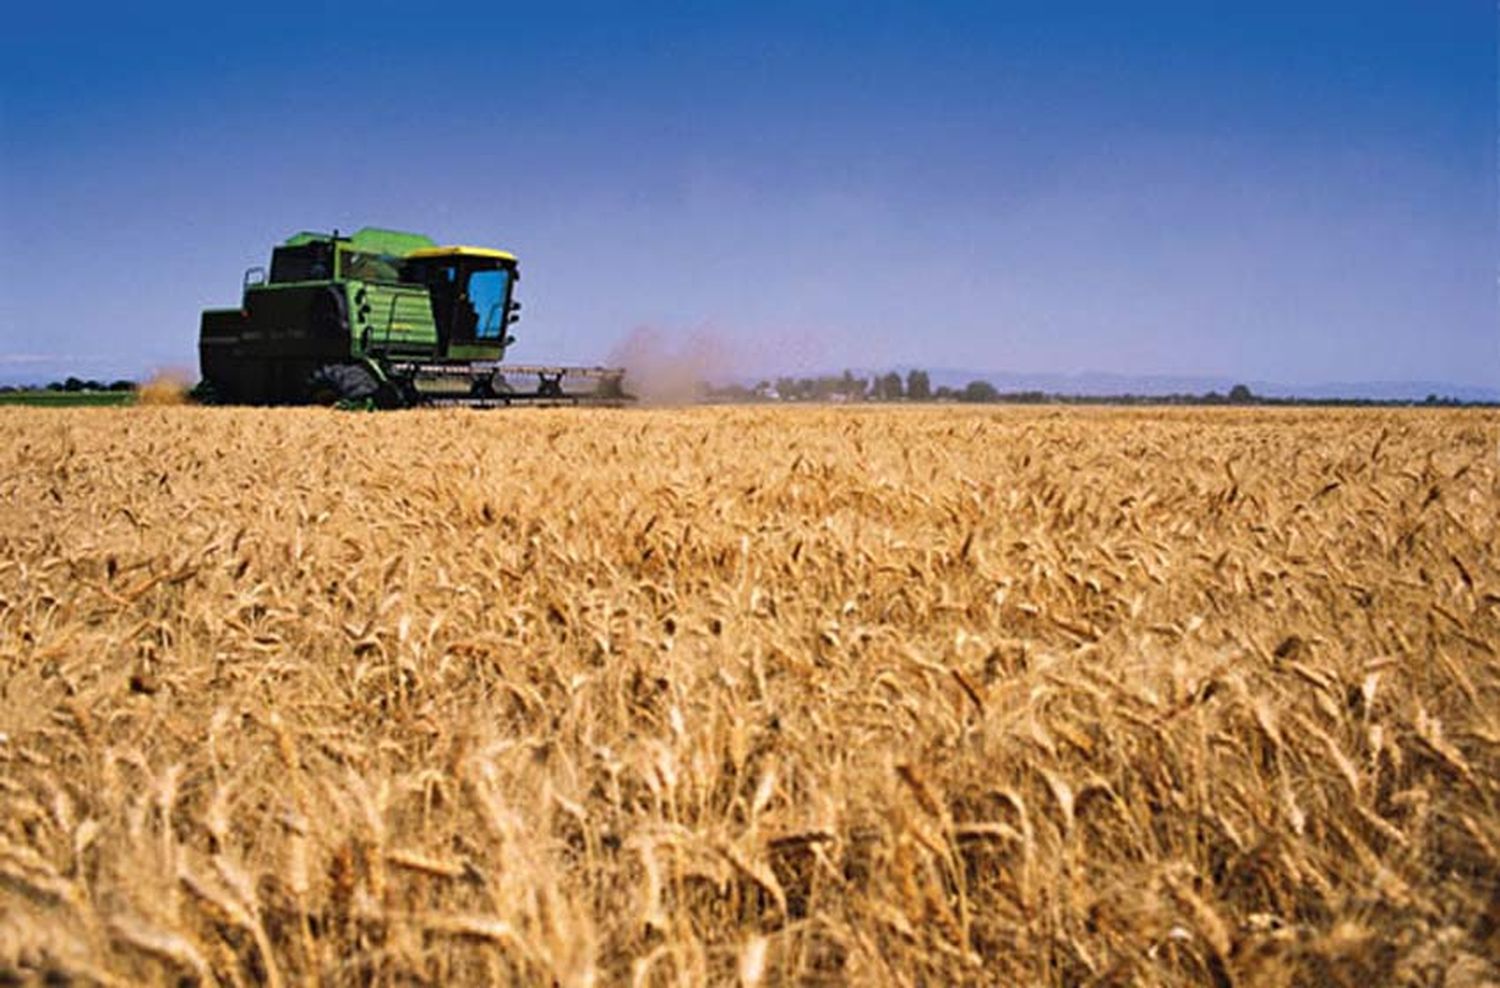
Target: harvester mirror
(254,276)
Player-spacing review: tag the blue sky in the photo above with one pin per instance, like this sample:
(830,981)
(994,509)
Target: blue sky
(1295,192)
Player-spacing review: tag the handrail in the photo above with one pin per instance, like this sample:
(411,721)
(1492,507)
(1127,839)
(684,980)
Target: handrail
(387,332)
(390,320)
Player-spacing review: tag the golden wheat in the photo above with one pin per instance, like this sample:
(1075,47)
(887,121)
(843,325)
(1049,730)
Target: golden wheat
(816,696)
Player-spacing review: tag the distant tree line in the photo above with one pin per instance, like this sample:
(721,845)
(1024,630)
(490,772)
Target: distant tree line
(75,384)
(916,385)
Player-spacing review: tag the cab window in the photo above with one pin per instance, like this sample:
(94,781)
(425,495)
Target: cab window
(307,262)
(488,293)
(359,265)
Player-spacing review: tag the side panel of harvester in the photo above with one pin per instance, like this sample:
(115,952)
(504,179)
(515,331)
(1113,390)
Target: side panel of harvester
(391,318)
(263,352)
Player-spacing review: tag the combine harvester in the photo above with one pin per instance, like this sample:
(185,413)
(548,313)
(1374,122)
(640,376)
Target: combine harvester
(382,319)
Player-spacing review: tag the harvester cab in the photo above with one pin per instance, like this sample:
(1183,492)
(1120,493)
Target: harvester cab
(472,307)
(385,318)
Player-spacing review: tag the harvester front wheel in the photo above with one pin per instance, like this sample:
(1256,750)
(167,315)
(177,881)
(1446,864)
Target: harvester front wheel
(338,384)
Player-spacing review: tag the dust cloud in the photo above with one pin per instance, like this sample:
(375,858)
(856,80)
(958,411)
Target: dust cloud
(670,369)
(166,386)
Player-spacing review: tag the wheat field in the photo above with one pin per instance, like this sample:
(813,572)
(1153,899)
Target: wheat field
(909,696)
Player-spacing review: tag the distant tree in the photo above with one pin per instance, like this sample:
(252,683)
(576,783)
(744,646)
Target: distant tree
(850,386)
(1240,395)
(73,384)
(886,387)
(979,391)
(121,385)
(918,386)
(54,386)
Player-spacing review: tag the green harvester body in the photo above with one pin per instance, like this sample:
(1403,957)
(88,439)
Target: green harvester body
(380,316)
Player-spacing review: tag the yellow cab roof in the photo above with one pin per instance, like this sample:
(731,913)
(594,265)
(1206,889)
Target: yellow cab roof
(460,251)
